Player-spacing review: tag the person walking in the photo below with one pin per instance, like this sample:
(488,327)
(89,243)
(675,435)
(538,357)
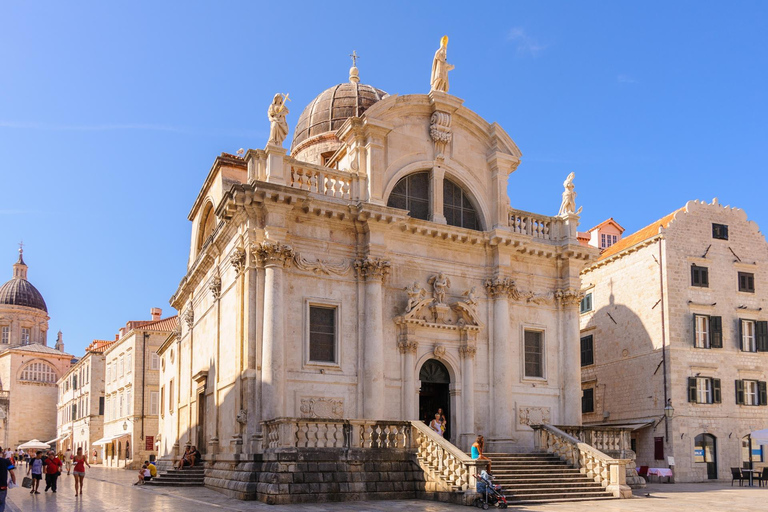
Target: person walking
(6,472)
(36,469)
(79,471)
(437,425)
(68,460)
(52,471)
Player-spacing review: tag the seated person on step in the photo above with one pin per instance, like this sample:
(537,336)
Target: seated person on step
(477,451)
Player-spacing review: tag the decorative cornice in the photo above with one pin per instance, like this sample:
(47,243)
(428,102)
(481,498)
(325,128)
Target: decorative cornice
(273,253)
(373,269)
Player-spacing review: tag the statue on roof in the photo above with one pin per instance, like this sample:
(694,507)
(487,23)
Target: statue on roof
(278,126)
(568,205)
(440,68)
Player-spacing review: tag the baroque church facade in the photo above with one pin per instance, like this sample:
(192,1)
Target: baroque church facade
(377,272)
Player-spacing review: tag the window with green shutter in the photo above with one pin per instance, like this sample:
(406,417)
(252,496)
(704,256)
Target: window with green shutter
(692,389)
(761,333)
(747,282)
(715,332)
(739,392)
(587,400)
(587,351)
(699,276)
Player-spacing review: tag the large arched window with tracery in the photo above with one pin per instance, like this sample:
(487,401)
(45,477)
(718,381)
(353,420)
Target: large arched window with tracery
(207,225)
(38,372)
(412,193)
(457,207)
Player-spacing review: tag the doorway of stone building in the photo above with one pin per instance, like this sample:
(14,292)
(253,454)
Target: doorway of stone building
(434,393)
(201,422)
(705,450)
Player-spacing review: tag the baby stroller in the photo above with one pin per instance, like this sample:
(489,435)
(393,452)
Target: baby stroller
(490,493)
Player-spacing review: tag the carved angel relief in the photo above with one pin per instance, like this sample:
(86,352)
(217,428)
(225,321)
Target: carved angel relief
(425,310)
(321,266)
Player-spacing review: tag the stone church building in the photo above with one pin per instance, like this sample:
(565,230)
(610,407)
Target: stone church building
(377,272)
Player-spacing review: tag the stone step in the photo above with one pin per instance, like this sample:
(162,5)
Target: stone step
(553,490)
(542,481)
(551,496)
(175,484)
(559,485)
(540,472)
(528,501)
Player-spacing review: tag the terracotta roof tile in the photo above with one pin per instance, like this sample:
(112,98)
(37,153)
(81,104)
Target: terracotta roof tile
(606,221)
(99,346)
(647,232)
(165,324)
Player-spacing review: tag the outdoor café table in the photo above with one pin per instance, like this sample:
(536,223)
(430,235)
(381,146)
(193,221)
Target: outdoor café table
(660,472)
(751,473)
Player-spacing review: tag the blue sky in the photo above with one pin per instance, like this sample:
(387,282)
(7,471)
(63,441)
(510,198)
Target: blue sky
(111,114)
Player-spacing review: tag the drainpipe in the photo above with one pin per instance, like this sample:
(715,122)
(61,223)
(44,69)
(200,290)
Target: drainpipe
(663,341)
(143,379)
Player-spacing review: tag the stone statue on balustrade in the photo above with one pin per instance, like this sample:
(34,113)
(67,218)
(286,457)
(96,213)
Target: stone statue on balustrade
(278,126)
(440,68)
(568,205)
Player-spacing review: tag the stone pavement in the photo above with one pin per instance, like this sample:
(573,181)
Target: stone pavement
(111,490)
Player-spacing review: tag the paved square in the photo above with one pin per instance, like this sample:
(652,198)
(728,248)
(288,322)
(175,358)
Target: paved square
(112,490)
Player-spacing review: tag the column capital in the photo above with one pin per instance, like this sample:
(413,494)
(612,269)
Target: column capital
(372,269)
(273,254)
(569,297)
(237,259)
(499,287)
(467,351)
(407,346)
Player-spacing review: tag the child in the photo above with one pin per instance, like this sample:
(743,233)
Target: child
(144,474)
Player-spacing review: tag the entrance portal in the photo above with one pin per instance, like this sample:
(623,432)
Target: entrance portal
(706,451)
(434,393)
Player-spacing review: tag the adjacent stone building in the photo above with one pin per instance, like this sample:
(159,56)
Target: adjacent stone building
(80,421)
(378,272)
(132,392)
(674,316)
(28,368)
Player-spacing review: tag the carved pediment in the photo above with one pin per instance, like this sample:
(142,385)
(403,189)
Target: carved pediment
(433,312)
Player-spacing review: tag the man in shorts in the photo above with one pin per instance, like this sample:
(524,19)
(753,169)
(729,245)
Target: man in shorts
(36,468)
(6,470)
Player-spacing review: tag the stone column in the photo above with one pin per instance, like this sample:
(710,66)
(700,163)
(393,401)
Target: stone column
(408,348)
(274,256)
(373,271)
(570,356)
(467,352)
(504,404)
(436,192)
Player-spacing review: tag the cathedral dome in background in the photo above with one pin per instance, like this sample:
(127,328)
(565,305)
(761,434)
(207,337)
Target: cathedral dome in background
(328,111)
(20,292)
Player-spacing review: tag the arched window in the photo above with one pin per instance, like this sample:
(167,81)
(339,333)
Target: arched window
(209,222)
(412,193)
(38,372)
(457,207)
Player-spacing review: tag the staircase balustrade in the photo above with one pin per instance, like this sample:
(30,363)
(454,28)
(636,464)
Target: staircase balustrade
(447,466)
(609,472)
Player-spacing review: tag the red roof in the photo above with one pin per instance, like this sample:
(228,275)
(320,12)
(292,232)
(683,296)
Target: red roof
(99,346)
(607,221)
(165,324)
(642,235)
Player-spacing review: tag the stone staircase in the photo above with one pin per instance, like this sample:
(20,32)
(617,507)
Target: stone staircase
(529,478)
(188,477)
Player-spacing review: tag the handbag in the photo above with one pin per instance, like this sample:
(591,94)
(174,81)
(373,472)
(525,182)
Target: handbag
(27,482)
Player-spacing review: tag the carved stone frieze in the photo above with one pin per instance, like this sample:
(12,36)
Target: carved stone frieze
(319,266)
(321,407)
(416,294)
(528,415)
(272,253)
(439,351)
(237,259)
(569,297)
(373,269)
(440,131)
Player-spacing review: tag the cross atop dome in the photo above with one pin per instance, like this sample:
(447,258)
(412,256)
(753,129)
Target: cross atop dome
(354,73)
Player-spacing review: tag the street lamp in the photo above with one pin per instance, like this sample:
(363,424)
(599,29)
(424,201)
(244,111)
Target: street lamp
(668,409)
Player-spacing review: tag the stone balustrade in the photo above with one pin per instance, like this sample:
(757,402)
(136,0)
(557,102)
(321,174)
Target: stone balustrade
(333,433)
(614,441)
(448,468)
(536,226)
(322,180)
(609,472)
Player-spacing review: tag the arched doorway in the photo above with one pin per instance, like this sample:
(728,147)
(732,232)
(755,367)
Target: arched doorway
(705,450)
(434,392)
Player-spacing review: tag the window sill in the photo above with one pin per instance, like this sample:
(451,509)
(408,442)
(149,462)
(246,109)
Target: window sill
(534,379)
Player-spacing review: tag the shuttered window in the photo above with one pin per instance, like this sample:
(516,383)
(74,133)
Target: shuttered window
(747,282)
(747,335)
(586,303)
(587,351)
(699,276)
(720,231)
(751,392)
(587,400)
(154,402)
(704,390)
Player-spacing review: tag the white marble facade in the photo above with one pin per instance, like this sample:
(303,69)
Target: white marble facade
(275,237)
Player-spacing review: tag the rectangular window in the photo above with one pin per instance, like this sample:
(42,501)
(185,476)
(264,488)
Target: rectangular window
(587,351)
(6,335)
(534,353)
(162,401)
(322,334)
(702,331)
(128,407)
(154,401)
(587,400)
(586,303)
(747,335)
(109,373)
(607,240)
(120,409)
(704,390)
(720,231)
(747,282)
(154,361)
(107,410)
(658,448)
(74,412)
(699,276)
(74,382)
(171,405)
(751,392)
(129,363)
(121,366)
(24,336)
(101,406)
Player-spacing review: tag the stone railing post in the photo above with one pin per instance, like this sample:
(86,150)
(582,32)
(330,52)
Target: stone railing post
(618,479)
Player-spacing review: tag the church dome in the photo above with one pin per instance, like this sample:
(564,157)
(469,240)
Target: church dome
(20,292)
(326,113)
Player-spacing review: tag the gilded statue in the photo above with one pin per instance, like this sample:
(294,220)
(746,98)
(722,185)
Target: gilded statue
(440,68)
(278,126)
